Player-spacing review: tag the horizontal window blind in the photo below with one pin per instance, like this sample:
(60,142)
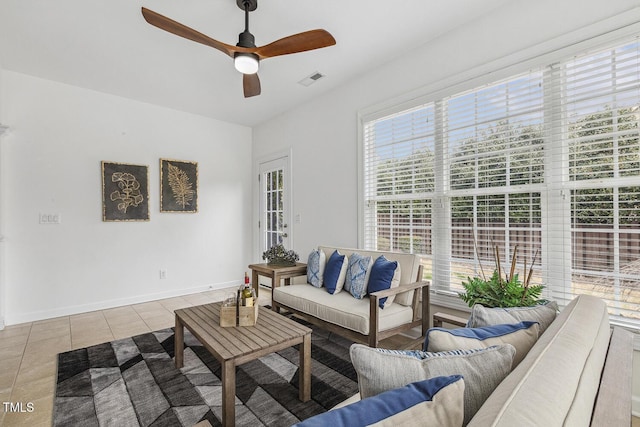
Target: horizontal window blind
(399,181)
(494,140)
(600,103)
(544,164)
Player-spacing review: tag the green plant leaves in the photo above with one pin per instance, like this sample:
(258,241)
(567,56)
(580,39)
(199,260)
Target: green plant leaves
(497,292)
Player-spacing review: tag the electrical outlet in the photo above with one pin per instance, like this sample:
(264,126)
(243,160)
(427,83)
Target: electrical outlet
(50,218)
(163,273)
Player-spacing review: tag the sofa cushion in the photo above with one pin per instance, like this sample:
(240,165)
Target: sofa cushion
(341,309)
(437,402)
(335,272)
(483,369)
(522,336)
(567,359)
(383,273)
(544,314)
(315,268)
(358,275)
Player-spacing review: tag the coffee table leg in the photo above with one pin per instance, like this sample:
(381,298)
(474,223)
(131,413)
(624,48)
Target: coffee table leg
(228,393)
(179,343)
(304,386)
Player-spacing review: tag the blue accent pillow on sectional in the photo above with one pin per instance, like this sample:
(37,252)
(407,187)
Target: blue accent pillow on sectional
(380,277)
(358,275)
(334,272)
(315,268)
(521,335)
(434,402)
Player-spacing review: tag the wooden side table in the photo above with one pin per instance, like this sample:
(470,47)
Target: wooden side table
(276,273)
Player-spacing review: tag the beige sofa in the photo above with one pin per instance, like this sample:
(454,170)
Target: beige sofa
(577,374)
(362,320)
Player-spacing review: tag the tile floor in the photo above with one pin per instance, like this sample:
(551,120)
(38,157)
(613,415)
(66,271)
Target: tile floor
(28,351)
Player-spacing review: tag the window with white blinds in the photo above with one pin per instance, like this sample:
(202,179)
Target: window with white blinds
(544,164)
(494,139)
(399,181)
(601,99)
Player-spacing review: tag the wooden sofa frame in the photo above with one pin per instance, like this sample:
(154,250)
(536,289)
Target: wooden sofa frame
(420,306)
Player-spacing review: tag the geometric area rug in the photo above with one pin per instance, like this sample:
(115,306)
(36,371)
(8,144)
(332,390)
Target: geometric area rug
(134,382)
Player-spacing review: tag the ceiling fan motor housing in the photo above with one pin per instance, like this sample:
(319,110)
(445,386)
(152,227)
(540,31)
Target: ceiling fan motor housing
(246,39)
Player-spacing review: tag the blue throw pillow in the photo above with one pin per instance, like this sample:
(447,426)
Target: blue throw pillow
(358,275)
(435,402)
(335,272)
(521,335)
(380,277)
(315,268)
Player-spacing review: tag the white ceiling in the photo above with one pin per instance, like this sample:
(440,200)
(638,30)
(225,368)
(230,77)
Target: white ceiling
(107,46)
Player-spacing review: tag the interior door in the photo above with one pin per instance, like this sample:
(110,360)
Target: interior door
(274,203)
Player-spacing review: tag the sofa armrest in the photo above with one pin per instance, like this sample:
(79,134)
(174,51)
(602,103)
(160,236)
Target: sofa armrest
(613,402)
(399,289)
(374,309)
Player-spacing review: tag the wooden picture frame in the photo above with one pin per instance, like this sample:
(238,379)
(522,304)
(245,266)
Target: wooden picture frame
(178,186)
(125,192)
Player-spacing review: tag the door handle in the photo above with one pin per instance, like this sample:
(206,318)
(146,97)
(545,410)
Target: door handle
(285,235)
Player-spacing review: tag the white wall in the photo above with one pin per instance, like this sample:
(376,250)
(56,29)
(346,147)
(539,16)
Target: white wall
(323,134)
(59,135)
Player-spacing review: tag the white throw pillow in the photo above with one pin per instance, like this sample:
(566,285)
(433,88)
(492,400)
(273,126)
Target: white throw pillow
(358,275)
(544,314)
(315,268)
(483,369)
(434,402)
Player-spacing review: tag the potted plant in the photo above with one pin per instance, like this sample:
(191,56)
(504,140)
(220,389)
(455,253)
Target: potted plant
(278,255)
(503,291)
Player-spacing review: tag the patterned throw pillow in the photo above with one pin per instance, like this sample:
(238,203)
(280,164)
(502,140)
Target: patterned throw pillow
(380,370)
(521,335)
(335,272)
(544,314)
(383,273)
(315,267)
(433,402)
(358,275)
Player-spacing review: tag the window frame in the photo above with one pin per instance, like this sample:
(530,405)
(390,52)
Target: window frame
(557,188)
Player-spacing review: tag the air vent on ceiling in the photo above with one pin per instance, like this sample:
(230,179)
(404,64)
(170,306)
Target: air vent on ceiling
(311,79)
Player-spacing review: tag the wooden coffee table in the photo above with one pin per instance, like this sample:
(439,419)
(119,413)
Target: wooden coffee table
(234,346)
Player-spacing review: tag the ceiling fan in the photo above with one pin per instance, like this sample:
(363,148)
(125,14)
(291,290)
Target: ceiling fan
(246,54)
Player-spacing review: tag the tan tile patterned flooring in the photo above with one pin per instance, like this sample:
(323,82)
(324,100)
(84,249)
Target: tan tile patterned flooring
(28,351)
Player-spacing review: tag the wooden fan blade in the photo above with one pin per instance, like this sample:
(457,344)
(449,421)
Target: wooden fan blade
(301,42)
(251,85)
(168,24)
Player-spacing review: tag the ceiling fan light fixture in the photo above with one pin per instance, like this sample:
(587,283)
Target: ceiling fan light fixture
(246,63)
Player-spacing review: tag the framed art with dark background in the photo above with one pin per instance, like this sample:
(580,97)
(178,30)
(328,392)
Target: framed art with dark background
(125,192)
(178,186)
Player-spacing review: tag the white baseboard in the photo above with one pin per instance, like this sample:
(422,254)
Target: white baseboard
(104,305)
(635,406)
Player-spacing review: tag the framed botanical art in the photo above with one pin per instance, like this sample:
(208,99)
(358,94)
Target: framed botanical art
(178,186)
(125,192)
